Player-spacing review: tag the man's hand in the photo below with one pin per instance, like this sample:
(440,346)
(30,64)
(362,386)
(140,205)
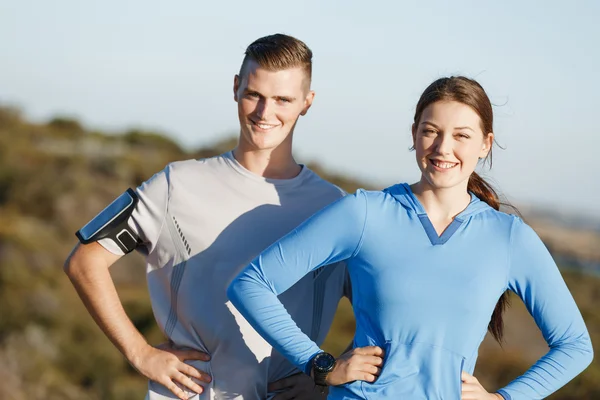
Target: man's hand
(165,365)
(359,364)
(472,389)
(297,387)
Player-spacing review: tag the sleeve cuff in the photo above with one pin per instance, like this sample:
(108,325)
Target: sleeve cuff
(308,366)
(111,246)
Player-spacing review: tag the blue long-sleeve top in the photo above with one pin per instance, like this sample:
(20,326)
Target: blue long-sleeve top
(426,299)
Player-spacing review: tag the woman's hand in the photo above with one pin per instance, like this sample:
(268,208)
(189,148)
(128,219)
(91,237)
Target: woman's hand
(472,389)
(359,364)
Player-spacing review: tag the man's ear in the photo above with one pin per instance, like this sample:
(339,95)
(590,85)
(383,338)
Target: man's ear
(308,102)
(236,86)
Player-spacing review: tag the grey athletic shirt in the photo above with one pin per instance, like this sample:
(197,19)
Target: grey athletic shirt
(202,221)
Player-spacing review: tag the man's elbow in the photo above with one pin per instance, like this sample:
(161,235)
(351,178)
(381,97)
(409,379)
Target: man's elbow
(70,264)
(84,258)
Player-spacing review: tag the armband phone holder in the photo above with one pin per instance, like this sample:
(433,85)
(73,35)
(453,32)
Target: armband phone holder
(112,223)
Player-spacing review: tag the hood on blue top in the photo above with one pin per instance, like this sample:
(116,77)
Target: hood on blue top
(407,198)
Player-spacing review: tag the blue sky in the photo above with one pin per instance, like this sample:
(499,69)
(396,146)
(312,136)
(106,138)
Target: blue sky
(169,66)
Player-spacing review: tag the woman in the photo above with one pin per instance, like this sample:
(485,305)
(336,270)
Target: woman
(429,265)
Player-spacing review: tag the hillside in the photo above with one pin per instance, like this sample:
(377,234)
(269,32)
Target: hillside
(55,176)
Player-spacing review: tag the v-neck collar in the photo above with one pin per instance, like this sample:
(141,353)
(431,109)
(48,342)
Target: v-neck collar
(433,236)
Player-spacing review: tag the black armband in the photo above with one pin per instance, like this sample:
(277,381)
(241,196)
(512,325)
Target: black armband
(112,223)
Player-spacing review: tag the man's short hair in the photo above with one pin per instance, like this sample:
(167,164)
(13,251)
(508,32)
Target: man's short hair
(277,52)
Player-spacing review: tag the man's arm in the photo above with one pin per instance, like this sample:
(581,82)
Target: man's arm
(88,269)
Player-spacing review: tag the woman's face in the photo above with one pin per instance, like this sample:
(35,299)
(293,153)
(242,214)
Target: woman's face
(449,142)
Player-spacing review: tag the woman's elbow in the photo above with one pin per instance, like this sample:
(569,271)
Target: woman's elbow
(235,290)
(231,291)
(588,354)
(582,351)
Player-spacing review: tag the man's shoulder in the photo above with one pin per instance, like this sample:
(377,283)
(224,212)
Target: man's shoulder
(194,166)
(317,184)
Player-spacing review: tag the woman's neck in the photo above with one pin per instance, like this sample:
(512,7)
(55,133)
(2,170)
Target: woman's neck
(441,204)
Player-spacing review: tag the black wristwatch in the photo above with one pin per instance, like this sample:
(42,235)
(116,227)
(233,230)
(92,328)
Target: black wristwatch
(322,364)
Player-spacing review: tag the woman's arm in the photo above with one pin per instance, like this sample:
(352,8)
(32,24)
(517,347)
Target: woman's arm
(535,278)
(331,235)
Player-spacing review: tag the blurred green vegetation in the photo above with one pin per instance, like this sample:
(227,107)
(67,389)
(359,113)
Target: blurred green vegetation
(53,178)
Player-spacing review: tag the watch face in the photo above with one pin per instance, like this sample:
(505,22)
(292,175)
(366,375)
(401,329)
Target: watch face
(323,362)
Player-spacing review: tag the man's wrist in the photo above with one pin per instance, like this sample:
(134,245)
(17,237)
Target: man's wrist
(134,353)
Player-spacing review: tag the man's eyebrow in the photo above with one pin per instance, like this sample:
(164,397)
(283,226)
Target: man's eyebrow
(250,90)
(277,97)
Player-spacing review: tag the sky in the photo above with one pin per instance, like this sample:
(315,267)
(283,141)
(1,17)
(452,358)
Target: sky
(169,66)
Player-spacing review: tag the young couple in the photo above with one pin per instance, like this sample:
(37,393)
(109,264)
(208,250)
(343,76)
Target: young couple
(249,252)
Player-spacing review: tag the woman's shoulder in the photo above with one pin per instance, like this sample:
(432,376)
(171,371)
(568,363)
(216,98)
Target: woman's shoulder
(376,196)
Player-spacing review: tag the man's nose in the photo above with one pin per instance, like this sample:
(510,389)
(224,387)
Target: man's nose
(263,109)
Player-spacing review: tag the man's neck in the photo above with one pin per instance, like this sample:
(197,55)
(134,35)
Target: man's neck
(272,164)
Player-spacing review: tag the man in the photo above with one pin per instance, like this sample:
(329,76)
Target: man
(198,222)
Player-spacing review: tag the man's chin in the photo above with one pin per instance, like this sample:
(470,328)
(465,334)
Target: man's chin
(258,146)
(262,142)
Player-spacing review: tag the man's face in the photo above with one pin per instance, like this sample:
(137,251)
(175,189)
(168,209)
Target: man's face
(269,104)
